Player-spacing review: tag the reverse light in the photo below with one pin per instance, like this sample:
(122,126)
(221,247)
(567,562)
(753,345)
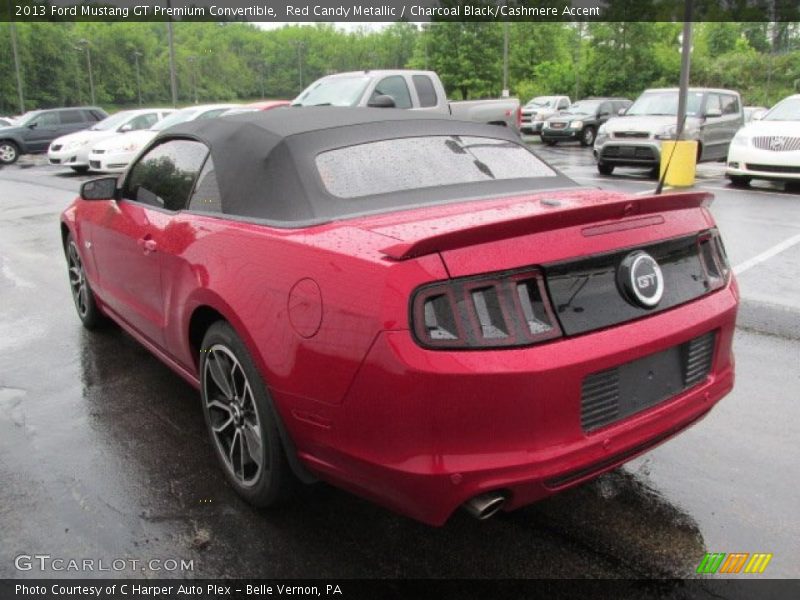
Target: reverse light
(714,259)
(495,310)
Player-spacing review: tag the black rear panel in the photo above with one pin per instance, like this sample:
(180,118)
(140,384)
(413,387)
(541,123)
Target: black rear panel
(613,394)
(585,295)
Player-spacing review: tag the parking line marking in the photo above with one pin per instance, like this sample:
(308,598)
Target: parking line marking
(767,254)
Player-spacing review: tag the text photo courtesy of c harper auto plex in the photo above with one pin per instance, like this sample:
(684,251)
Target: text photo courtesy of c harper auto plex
(385,299)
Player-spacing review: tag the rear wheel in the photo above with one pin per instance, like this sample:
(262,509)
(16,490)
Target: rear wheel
(587,136)
(605,168)
(240,420)
(740,180)
(82,294)
(9,152)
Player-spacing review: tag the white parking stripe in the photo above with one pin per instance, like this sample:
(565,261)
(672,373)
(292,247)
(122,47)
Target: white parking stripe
(767,254)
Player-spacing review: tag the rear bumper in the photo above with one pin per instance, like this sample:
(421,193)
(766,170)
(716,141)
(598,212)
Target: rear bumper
(423,431)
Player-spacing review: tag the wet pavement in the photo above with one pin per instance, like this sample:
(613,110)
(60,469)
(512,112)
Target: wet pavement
(104,455)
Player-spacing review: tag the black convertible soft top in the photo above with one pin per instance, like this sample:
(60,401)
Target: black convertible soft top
(265,161)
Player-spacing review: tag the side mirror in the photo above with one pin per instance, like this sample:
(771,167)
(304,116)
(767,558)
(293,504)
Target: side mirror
(382,101)
(713,113)
(125,128)
(622,111)
(104,188)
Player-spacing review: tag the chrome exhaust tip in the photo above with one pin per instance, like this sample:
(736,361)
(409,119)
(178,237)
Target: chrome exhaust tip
(485,505)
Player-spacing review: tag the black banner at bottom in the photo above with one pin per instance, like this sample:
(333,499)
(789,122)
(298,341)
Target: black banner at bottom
(348,589)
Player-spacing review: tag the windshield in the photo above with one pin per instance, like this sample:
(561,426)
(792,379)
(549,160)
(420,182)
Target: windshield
(787,110)
(665,104)
(582,108)
(112,122)
(542,102)
(177,117)
(334,91)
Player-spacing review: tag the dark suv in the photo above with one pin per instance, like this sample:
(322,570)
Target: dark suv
(582,120)
(36,129)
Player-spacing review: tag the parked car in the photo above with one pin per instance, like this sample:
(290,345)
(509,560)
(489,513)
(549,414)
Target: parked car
(408,89)
(581,120)
(634,140)
(36,129)
(768,148)
(72,150)
(114,154)
(754,113)
(413,308)
(256,106)
(539,109)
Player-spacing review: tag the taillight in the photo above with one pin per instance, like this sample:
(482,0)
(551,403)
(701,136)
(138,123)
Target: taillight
(714,259)
(495,310)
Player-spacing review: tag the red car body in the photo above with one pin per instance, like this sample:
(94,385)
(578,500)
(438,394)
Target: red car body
(324,310)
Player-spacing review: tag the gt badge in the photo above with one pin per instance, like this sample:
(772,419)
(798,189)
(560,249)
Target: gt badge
(640,279)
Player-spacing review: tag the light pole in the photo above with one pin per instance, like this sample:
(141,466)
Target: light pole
(193,62)
(85,45)
(136,55)
(300,46)
(16,61)
(173,82)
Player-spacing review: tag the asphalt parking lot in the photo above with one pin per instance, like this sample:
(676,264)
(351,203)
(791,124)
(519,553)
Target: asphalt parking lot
(103,451)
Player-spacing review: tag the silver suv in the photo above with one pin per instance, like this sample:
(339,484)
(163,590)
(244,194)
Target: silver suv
(634,140)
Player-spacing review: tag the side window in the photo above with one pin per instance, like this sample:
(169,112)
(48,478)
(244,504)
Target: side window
(206,196)
(604,109)
(713,102)
(144,121)
(562,104)
(394,86)
(48,119)
(730,105)
(425,90)
(93,115)
(164,176)
(70,117)
(211,114)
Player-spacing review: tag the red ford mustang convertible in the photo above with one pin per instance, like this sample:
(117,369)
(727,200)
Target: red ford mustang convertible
(415,309)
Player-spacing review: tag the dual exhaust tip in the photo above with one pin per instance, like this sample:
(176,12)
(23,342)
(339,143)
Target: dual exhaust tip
(485,505)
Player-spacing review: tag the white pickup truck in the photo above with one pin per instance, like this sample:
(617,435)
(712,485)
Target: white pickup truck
(404,88)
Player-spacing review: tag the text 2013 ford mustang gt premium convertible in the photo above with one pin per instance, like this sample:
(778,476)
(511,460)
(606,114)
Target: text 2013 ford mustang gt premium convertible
(415,309)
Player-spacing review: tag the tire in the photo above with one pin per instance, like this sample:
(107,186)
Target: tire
(587,136)
(9,152)
(82,294)
(83,169)
(550,142)
(605,168)
(241,421)
(740,180)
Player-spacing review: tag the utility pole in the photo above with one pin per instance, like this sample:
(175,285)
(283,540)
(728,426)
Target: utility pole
(13,27)
(136,55)
(172,79)
(686,57)
(505,59)
(85,44)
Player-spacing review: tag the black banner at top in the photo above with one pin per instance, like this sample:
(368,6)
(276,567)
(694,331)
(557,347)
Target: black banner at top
(415,11)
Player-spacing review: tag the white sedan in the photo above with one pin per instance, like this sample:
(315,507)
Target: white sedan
(114,154)
(72,150)
(768,148)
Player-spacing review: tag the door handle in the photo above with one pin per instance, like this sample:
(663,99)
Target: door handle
(148,244)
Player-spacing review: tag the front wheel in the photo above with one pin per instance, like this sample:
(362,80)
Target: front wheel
(605,168)
(9,152)
(587,136)
(240,420)
(740,180)
(82,294)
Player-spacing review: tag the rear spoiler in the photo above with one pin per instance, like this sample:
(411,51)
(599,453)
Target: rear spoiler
(567,217)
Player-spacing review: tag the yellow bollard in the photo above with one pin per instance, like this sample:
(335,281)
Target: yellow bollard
(682,162)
